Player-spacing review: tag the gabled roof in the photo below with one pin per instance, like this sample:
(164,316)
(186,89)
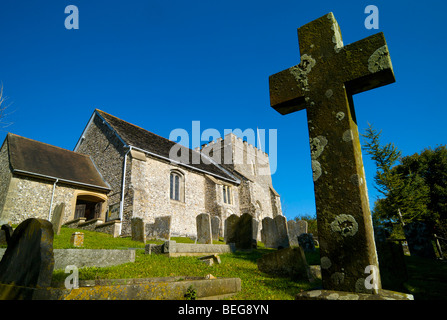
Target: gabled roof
(157,146)
(34,158)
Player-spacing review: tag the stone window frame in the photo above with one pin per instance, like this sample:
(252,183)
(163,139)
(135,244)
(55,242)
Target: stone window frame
(227,194)
(180,194)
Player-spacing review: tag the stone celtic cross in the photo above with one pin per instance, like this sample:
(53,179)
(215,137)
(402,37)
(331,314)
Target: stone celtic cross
(323,83)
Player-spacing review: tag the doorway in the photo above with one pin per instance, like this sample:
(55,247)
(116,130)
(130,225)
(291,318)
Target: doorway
(88,207)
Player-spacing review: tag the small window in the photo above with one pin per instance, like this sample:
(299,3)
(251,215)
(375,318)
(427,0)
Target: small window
(227,194)
(176,186)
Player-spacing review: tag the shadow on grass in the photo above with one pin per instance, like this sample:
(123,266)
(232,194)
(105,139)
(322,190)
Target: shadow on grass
(427,278)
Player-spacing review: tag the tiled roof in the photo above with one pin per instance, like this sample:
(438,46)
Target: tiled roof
(36,158)
(136,136)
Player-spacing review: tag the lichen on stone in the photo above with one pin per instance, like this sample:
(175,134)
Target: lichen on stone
(347,136)
(345,225)
(316,170)
(325,263)
(340,115)
(317,146)
(379,60)
(301,71)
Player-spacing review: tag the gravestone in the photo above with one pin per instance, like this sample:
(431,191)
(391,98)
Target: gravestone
(203,223)
(281,229)
(268,232)
(274,232)
(230,227)
(255,230)
(290,262)
(293,232)
(242,233)
(306,241)
(28,260)
(160,229)
(419,240)
(77,239)
(57,216)
(216,228)
(137,226)
(302,226)
(323,83)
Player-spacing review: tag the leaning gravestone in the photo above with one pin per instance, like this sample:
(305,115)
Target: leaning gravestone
(203,223)
(290,262)
(281,229)
(57,216)
(274,232)
(323,83)
(28,260)
(419,240)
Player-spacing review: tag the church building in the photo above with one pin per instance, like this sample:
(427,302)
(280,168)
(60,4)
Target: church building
(136,173)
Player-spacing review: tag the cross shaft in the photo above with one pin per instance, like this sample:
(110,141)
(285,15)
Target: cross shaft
(323,83)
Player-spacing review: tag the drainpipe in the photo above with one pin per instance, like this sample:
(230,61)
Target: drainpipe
(123,185)
(52,198)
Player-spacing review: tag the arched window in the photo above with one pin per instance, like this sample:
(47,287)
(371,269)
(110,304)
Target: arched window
(176,189)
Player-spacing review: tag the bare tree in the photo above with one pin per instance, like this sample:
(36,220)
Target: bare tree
(3,107)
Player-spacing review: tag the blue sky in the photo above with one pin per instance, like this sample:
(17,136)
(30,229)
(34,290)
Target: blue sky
(163,64)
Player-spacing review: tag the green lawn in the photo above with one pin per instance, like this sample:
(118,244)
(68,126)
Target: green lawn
(256,285)
(427,278)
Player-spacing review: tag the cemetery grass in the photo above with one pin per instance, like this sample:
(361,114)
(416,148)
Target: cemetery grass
(255,284)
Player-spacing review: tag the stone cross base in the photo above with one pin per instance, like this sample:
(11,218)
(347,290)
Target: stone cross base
(344,295)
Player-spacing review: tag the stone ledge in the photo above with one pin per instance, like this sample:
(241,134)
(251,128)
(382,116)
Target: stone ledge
(168,288)
(89,257)
(173,249)
(343,295)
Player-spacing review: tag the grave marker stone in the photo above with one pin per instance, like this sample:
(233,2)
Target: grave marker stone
(138,229)
(160,229)
(242,233)
(28,260)
(274,232)
(57,216)
(282,240)
(77,239)
(293,232)
(216,229)
(203,223)
(230,226)
(323,83)
(289,262)
(302,226)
